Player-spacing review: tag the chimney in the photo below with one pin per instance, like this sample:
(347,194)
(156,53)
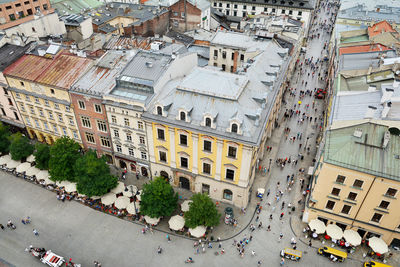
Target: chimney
(386,139)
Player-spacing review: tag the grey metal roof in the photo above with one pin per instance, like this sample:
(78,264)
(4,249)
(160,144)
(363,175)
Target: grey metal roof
(237,40)
(101,78)
(10,53)
(201,4)
(199,93)
(147,66)
(73,19)
(303,4)
(361,12)
(362,61)
(107,28)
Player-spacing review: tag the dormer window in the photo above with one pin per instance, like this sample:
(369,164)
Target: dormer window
(159,110)
(234,128)
(207,122)
(182,116)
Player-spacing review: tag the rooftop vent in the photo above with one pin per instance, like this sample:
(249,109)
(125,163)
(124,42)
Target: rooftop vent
(357,132)
(149,64)
(386,139)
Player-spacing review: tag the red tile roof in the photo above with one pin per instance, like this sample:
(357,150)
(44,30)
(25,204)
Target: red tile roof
(362,49)
(378,28)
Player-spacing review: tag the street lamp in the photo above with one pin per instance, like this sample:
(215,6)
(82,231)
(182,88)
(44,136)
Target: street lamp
(306,143)
(269,167)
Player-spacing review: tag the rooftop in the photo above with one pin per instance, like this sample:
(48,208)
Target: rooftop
(379,28)
(364,60)
(67,7)
(100,79)
(304,4)
(238,40)
(201,4)
(10,53)
(362,10)
(73,19)
(375,152)
(362,49)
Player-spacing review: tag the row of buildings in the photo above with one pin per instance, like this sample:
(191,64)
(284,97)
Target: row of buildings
(356,181)
(158,112)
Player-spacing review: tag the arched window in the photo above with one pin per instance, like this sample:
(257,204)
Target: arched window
(183,116)
(208,122)
(159,110)
(227,194)
(234,128)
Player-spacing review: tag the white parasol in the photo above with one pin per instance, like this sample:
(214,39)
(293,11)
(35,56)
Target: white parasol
(44,175)
(152,221)
(317,226)
(23,167)
(130,191)
(176,222)
(12,164)
(185,205)
(5,159)
(95,197)
(108,199)
(119,188)
(199,231)
(122,202)
(32,171)
(131,208)
(137,206)
(139,196)
(378,245)
(334,231)
(31,158)
(352,237)
(70,187)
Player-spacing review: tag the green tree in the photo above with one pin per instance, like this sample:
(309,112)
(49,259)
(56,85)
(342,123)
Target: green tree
(4,138)
(20,146)
(202,211)
(42,156)
(158,199)
(63,155)
(93,175)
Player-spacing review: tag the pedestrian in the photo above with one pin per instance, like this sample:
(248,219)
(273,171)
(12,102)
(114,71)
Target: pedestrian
(260,225)
(281,215)
(222,251)
(259,263)
(168,238)
(309,243)
(270,216)
(35,232)
(257,218)
(219,245)
(2,227)
(253,253)
(269,228)
(137,175)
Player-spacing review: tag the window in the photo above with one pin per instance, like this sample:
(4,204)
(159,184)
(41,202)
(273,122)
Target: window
(391,192)
(5,91)
(384,204)
(86,122)
(230,174)
(46,102)
(11,16)
(141,140)
(126,121)
(290,12)
(377,217)
(129,137)
(184,162)
(352,196)
(330,204)
(75,133)
(220,4)
(208,122)
(113,119)
(116,133)
(206,168)
(105,141)
(233,56)
(97,108)
(56,106)
(90,138)
(253,8)
(81,104)
(119,148)
(242,57)
(45,7)
(64,130)
(144,155)
(223,54)
(273,10)
(232,152)
(182,116)
(346,209)
(67,109)
(223,67)
(215,53)
(131,152)
(234,6)
(183,140)
(234,128)
(340,179)
(160,134)
(215,4)
(358,183)
(3,111)
(101,125)
(33,29)
(299,13)
(51,115)
(28,121)
(26,2)
(27,98)
(244,7)
(227,194)
(10,102)
(60,118)
(22,107)
(32,110)
(55,129)
(41,113)
(163,156)
(335,191)
(71,121)
(37,123)
(265,9)
(18,5)
(37,100)
(18,95)
(283,11)
(140,125)
(207,145)
(159,109)
(182,14)
(52,91)
(228,5)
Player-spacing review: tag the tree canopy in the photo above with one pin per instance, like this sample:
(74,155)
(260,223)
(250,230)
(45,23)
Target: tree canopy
(20,146)
(4,138)
(42,156)
(202,211)
(63,155)
(92,175)
(158,198)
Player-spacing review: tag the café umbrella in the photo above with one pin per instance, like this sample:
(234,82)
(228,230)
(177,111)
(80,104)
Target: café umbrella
(185,205)
(378,245)
(131,208)
(5,159)
(12,164)
(334,231)
(151,221)
(108,199)
(176,222)
(23,167)
(317,226)
(119,188)
(139,195)
(31,158)
(130,191)
(70,187)
(122,202)
(199,231)
(44,175)
(352,237)
(32,171)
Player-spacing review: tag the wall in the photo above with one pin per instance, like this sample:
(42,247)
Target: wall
(158,25)
(18,6)
(189,21)
(8,106)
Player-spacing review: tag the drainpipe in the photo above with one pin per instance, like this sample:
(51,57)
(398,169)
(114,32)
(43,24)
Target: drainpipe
(369,189)
(184,3)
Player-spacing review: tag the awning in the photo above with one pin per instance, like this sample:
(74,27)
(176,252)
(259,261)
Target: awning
(352,237)
(5,159)
(317,226)
(176,222)
(23,167)
(122,202)
(199,231)
(108,199)
(334,231)
(119,188)
(32,171)
(12,164)
(31,158)
(378,245)
(152,221)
